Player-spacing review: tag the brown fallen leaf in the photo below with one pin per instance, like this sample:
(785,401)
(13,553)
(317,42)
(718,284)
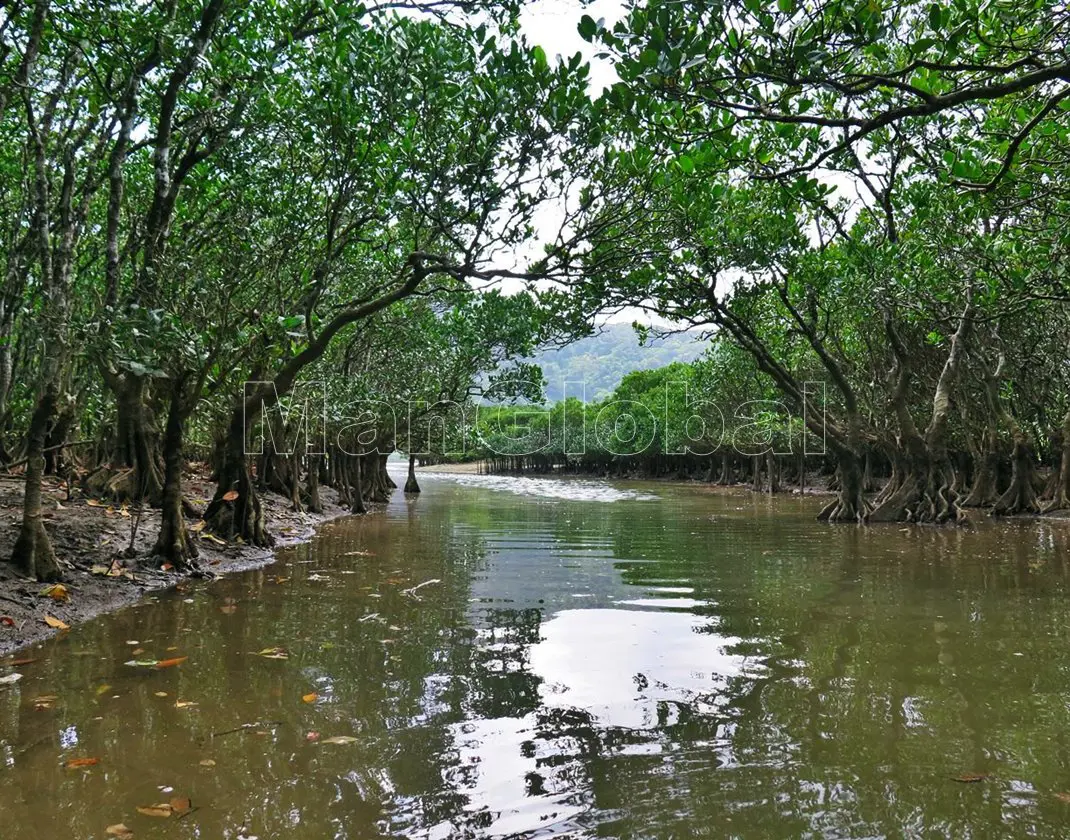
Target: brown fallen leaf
(184,704)
(46,701)
(213,538)
(119,830)
(94,503)
(311,698)
(180,804)
(228,609)
(81,762)
(970,778)
(339,739)
(166,567)
(198,526)
(137,651)
(7,621)
(57,592)
(230,495)
(170,663)
(162,810)
(51,621)
(207,762)
(15,663)
(161,693)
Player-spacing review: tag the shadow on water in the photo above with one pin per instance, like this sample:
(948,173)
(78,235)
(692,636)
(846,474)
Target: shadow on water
(570,659)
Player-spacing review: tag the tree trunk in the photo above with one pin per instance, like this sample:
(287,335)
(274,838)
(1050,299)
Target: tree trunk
(850,502)
(33,554)
(1060,499)
(312,484)
(411,485)
(134,472)
(174,544)
(243,515)
(358,485)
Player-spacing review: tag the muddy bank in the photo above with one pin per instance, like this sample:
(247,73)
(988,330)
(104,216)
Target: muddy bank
(87,533)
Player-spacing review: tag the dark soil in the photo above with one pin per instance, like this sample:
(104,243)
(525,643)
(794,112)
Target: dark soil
(85,535)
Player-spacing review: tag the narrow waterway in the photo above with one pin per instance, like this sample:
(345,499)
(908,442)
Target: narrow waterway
(552,658)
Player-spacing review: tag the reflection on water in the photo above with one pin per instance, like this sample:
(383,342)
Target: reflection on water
(574,489)
(570,659)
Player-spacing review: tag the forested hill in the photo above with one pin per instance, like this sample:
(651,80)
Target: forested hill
(601,360)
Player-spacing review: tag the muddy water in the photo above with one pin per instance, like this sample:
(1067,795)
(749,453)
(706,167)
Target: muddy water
(582,660)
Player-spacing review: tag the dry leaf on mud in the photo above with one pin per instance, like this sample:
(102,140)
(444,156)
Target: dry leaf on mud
(207,762)
(339,739)
(969,778)
(198,526)
(170,663)
(213,538)
(230,495)
(46,701)
(94,503)
(57,592)
(15,663)
(52,621)
(1063,797)
(311,698)
(7,621)
(81,762)
(10,679)
(162,810)
(119,830)
(161,693)
(274,653)
(184,704)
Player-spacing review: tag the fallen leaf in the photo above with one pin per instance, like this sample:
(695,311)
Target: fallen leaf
(230,495)
(46,701)
(57,592)
(15,663)
(134,642)
(207,762)
(228,609)
(173,647)
(969,778)
(198,526)
(161,693)
(311,698)
(280,579)
(162,810)
(170,663)
(213,538)
(7,621)
(56,623)
(359,553)
(10,679)
(312,737)
(94,503)
(339,739)
(119,830)
(183,704)
(103,689)
(81,762)
(180,804)
(137,651)
(274,653)
(142,663)
(166,567)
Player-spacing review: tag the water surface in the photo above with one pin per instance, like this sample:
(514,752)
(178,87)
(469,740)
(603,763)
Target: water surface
(570,659)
